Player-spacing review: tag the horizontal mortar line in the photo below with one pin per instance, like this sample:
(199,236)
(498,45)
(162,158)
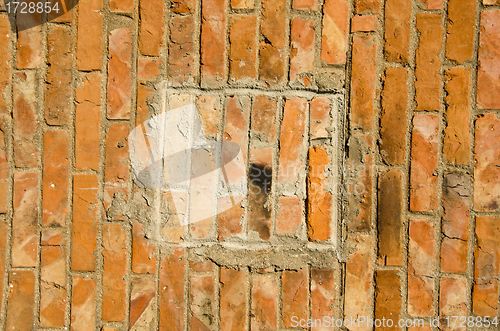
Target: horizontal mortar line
(254,90)
(250,245)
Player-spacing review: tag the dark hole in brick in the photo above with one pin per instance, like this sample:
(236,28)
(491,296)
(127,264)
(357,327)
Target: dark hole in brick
(261,176)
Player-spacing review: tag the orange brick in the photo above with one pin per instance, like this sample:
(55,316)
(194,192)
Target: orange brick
(428,62)
(89,45)
(302,53)
(424,162)
(242,4)
(84,223)
(21,300)
(305,4)
(460,34)
(202,302)
(432,4)
(53,236)
(323,294)
(387,295)
(152,27)
(172,279)
(243,52)
(117,159)
(233,302)
(148,68)
(265,294)
(53,286)
(264,113)
(335,31)
(486,171)
(115,267)
(143,251)
(83,303)
(25,235)
(397,30)
(367,6)
(295,296)
(210,111)
(364,23)
(320,122)
(125,6)
(29,42)
(4,173)
(213,43)
(142,303)
(289,216)
(485,298)
(5,58)
(119,98)
(453,293)
(182,66)
(488,84)
(59,77)
(55,178)
(4,232)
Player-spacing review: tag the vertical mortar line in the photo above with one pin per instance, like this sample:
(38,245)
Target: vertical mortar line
(247,163)
(279,310)
(248,292)
(276,190)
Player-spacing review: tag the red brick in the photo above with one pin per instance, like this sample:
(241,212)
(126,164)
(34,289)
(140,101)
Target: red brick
(305,4)
(152,27)
(182,67)
(428,62)
(393,121)
(387,296)
(5,58)
(55,178)
(83,304)
(26,120)
(335,31)
(367,6)
(422,266)
(485,299)
(302,52)
(25,236)
(319,199)
(117,159)
(213,42)
(424,162)
(119,98)
(242,4)
(488,82)
(172,278)
(289,215)
(390,218)
(84,222)
(364,76)
(323,294)
(4,173)
(59,77)
(320,118)
(432,4)
(143,251)
(460,30)
(114,297)
(359,276)
(148,68)
(89,45)
(486,171)
(88,122)
(233,303)
(397,30)
(143,303)
(243,50)
(126,6)
(292,141)
(202,302)
(364,23)
(453,293)
(455,221)
(295,296)
(29,42)
(265,294)
(21,300)
(458,111)
(53,299)
(272,48)
(264,113)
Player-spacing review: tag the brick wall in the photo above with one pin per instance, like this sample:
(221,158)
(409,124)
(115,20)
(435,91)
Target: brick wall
(377,123)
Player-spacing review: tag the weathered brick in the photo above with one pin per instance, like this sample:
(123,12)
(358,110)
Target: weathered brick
(364,77)
(119,86)
(25,236)
(21,300)
(4,233)
(272,48)
(485,299)
(265,294)
(53,236)
(323,294)
(460,30)
(487,251)
(264,111)
(202,302)
(29,42)
(143,251)
(58,89)
(422,266)
(87,122)
(424,162)
(488,78)
(302,51)
(367,6)
(83,303)
(4,173)
(390,218)
(428,62)
(431,4)
(84,223)
(387,295)
(53,299)
(183,6)
(233,302)
(172,278)
(397,30)
(242,4)
(143,303)
(152,27)
(243,50)
(458,111)
(148,68)
(213,43)
(305,4)
(114,298)
(486,171)
(453,293)
(319,199)
(491,2)
(364,23)
(289,215)
(89,44)
(117,160)
(125,6)
(55,188)
(320,109)
(295,296)
(181,51)
(26,120)
(5,58)
(210,111)
(393,121)
(335,31)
